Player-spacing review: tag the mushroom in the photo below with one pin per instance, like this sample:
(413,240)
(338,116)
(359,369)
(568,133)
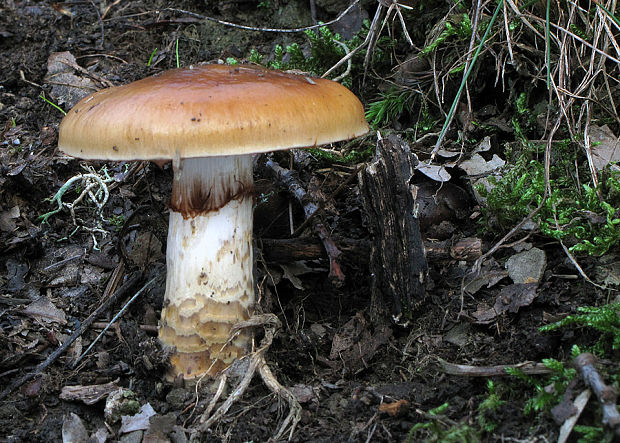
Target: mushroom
(209,120)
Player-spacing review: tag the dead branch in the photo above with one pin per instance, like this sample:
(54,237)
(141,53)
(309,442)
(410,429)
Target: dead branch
(286,250)
(289,179)
(607,395)
(116,317)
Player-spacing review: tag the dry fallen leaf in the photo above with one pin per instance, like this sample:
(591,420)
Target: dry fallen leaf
(605,146)
(510,298)
(44,310)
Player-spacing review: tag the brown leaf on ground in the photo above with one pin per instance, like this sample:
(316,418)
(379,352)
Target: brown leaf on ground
(355,344)
(510,298)
(605,146)
(44,310)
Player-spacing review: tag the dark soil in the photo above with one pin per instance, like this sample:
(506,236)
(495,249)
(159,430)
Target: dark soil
(63,266)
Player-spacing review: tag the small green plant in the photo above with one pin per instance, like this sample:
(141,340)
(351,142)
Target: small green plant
(151,57)
(605,319)
(389,106)
(325,49)
(351,157)
(49,102)
(231,61)
(460,27)
(593,434)
(255,57)
(117,221)
(548,390)
(436,429)
(489,405)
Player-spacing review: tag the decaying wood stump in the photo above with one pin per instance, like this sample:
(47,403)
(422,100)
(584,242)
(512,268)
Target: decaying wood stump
(397,260)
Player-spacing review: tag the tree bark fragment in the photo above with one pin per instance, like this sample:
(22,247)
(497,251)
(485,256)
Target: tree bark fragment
(397,260)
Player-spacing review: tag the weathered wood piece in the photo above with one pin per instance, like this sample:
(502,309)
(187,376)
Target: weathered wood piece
(286,250)
(397,260)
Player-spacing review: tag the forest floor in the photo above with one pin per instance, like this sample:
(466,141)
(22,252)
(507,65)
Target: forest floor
(53,275)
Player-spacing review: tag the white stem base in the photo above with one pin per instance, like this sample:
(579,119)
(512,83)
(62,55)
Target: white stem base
(209,284)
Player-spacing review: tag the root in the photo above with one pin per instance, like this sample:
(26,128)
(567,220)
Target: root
(244,369)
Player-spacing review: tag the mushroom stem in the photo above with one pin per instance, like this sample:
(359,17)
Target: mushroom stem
(209,282)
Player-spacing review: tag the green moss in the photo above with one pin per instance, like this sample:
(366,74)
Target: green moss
(544,399)
(488,406)
(388,107)
(604,319)
(459,27)
(324,53)
(351,157)
(587,219)
(436,429)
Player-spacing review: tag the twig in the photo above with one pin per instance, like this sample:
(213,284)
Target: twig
(116,317)
(348,70)
(606,394)
(369,36)
(340,187)
(579,404)
(79,331)
(100,19)
(288,179)
(491,371)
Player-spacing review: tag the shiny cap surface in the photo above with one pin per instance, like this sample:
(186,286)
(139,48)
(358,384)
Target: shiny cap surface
(210,110)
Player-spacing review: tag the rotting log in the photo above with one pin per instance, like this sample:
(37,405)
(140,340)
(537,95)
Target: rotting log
(397,260)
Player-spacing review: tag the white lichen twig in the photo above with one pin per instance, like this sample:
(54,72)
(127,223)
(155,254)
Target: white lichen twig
(95,187)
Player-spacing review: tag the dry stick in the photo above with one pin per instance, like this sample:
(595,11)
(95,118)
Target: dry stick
(348,180)
(287,178)
(100,19)
(79,331)
(366,41)
(286,250)
(606,394)
(116,317)
(491,371)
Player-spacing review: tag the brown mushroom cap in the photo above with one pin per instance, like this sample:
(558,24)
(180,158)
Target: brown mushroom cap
(210,110)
